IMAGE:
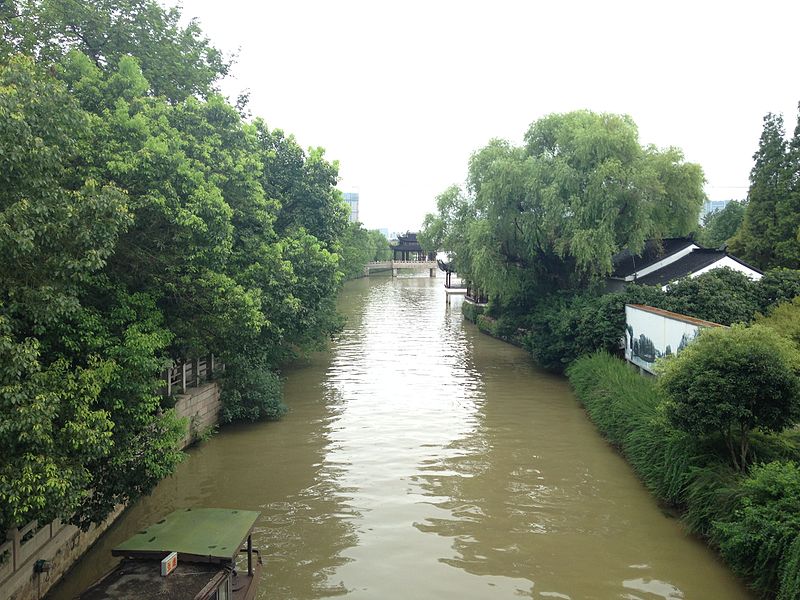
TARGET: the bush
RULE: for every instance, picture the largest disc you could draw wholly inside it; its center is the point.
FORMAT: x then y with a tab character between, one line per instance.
251	392
760	540
777	285
627	409
723	296
731	381
565	327
790	577
471	311
784	319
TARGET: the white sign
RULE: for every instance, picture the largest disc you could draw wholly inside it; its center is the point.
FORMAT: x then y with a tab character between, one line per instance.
169	563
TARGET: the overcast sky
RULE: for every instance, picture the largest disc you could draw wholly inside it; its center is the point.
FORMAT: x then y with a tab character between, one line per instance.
401	93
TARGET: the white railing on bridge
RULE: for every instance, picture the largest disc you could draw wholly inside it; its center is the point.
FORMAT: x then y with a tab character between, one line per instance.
428	264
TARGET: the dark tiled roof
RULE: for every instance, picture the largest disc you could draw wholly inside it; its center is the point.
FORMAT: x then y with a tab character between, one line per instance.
691	263
626	264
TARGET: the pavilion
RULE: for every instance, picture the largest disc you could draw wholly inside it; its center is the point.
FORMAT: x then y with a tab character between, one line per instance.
409	250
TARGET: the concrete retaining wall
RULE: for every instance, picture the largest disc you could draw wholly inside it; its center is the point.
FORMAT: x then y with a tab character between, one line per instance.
201	408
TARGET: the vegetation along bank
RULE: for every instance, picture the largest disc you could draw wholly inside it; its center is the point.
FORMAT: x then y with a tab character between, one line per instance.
539	231
144	219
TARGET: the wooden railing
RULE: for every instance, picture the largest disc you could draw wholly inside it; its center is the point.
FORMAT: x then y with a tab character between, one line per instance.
190	373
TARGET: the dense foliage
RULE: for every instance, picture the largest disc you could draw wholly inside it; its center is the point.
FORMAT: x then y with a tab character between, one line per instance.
564	326
770	233
784	319
731	381
720	226
752	518
549	215
361	246
143	220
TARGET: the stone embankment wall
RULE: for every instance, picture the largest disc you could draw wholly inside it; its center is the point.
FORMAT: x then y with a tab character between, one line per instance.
57	546
200	407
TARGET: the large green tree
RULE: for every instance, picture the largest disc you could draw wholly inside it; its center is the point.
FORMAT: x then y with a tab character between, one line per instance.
731	381
770	233
550	215
177	61
144	221
82	426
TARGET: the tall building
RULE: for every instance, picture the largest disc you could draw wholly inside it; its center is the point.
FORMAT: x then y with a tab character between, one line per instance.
352	200
710	206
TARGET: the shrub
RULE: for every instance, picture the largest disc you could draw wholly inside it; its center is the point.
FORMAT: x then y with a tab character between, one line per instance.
627	409
755	521
723	296
251	392
777	285
784	319
790	577
760	539
471	311
731	381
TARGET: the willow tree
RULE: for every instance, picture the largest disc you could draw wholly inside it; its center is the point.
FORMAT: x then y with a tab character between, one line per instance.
551	214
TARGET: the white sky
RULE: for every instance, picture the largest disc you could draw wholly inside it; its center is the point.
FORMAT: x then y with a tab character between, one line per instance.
402	93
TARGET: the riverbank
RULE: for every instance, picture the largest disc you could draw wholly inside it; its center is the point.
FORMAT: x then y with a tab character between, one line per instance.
419	454
751	521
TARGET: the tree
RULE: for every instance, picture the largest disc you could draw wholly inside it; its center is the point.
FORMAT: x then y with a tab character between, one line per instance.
721	225
360	246
177	62
769	233
784	319
723	296
551	214
729	382
83	429
142	221
778	285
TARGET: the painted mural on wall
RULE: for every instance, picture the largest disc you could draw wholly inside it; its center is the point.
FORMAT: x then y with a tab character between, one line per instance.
652	333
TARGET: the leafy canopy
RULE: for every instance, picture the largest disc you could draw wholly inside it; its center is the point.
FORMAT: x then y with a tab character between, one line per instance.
550	215
731	381
770	233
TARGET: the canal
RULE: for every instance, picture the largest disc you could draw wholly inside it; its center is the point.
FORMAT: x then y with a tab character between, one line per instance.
422	459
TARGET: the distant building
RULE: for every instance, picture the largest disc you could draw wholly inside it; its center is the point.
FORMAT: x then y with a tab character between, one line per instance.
385	232
408	249
710	206
352	200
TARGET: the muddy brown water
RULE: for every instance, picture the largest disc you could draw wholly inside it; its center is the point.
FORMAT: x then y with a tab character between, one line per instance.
422	459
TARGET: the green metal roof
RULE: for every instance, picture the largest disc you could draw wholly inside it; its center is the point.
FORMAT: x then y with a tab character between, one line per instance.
202	532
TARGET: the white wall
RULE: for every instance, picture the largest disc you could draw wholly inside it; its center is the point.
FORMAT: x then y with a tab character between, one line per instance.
727	261
652	334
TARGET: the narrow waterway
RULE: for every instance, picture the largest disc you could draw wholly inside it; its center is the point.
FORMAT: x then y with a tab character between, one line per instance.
422	459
